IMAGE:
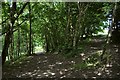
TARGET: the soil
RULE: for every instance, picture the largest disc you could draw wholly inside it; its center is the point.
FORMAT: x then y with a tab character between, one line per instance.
54	65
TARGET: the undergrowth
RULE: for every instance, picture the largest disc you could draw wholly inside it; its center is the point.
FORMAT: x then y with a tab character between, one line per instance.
94	61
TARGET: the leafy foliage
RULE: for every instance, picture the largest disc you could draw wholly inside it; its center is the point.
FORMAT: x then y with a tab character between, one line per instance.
55	26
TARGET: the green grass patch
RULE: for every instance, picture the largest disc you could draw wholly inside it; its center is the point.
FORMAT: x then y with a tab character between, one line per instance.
16	61
92	62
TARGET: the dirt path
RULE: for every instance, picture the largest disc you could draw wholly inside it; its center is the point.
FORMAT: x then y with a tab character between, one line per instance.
56	66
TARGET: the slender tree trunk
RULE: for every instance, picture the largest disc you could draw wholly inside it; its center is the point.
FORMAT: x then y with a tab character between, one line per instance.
79	25
9	35
30	38
67	29
5	47
27	37
18	53
11	47
32	46
10	30
109	32
47	43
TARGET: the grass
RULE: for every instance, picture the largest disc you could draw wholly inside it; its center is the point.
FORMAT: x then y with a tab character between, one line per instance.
17	60
93	61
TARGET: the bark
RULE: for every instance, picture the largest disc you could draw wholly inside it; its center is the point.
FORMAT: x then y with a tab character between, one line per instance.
6	46
32	47
8	35
18	42
79	25
47	43
67	29
30	37
12	47
107	41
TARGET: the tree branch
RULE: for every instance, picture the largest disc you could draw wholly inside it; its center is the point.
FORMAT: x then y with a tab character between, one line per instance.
14	30
21	11
4	21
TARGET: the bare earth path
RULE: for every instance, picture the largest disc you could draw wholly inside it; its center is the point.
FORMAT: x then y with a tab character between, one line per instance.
56	66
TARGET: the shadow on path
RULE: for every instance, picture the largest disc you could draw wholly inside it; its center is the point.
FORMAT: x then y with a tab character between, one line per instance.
56	66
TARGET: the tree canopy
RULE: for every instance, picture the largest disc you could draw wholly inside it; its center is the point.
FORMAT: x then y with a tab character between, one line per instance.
62	27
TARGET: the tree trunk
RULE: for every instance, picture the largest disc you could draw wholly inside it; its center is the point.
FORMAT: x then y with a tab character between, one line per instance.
30	38
8	37
10	30
5	47
109	32
18	42
67	29
47	43
12	48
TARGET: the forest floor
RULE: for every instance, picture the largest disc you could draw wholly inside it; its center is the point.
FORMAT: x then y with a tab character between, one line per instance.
57	66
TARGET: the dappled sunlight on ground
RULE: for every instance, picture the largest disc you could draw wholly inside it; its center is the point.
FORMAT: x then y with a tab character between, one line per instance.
56	66
52	68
